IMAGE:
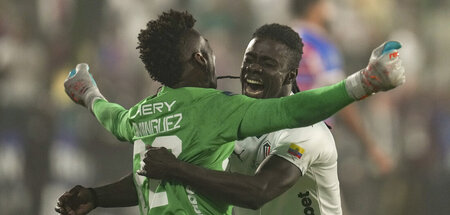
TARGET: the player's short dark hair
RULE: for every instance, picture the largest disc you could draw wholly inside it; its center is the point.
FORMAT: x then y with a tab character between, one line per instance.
285	35
299	8
159	45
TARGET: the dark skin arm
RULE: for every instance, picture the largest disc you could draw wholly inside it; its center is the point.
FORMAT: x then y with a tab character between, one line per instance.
80	200
275	176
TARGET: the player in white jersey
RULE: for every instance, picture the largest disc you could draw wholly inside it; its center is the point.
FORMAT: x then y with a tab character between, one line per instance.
308	154
312	150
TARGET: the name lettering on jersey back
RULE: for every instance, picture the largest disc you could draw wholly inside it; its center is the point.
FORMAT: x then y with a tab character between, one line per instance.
306	202
156	125
152	108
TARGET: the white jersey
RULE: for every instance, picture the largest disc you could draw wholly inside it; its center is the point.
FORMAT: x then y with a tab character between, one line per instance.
313	151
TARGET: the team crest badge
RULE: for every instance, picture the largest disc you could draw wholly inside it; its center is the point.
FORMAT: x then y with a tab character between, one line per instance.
266	149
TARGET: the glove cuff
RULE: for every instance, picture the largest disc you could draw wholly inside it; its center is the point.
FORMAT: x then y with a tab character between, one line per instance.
355	86
92	95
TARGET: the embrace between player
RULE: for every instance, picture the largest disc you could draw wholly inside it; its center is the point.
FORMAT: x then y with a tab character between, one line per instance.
186	68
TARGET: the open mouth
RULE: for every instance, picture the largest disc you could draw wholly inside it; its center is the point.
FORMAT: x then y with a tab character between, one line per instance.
253	87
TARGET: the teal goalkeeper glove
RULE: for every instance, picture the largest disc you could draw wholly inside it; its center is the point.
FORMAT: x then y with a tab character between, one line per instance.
80	86
384	72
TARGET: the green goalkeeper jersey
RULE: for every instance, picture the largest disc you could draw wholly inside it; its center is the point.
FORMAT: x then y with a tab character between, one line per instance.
198	125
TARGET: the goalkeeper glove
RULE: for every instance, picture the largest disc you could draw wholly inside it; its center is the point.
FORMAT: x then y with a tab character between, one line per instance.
80	86
384	72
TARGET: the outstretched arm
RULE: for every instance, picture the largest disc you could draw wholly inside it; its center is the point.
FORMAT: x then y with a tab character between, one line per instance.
299	110
81	87
114	118
80	200
275	176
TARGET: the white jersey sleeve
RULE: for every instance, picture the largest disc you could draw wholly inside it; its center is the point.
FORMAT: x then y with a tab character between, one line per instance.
305	146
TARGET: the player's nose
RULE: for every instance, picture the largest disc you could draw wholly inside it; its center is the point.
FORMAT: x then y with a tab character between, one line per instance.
255	68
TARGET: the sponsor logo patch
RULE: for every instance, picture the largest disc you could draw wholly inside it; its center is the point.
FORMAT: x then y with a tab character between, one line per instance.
306	202
295	150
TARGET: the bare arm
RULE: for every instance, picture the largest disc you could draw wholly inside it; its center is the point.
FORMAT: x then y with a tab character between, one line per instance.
275	176
119	194
80	200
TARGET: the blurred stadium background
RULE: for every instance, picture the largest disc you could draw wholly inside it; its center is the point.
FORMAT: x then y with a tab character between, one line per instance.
48	144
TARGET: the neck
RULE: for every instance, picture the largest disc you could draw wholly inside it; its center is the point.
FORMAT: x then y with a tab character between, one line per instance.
193	79
190	77
286	91
190	84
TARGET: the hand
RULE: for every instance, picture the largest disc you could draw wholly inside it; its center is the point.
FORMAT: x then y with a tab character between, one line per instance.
80	86
158	163
384	72
78	201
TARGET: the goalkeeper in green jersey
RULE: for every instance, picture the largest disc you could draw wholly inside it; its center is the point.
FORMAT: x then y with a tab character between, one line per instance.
196	123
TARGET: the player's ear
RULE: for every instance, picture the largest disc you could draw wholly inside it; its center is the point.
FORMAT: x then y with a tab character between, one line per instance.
290	77
198	56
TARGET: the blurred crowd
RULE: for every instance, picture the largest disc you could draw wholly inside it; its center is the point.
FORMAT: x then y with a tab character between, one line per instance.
48	144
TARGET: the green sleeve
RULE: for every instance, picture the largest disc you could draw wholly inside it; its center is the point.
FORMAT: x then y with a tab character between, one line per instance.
299	110
114	118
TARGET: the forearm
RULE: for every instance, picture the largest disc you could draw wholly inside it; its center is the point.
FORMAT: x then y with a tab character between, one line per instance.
120	194
299	110
236	189
114	118
315	105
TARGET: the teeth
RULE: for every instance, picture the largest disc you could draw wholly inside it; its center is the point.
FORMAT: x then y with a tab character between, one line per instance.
254	82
